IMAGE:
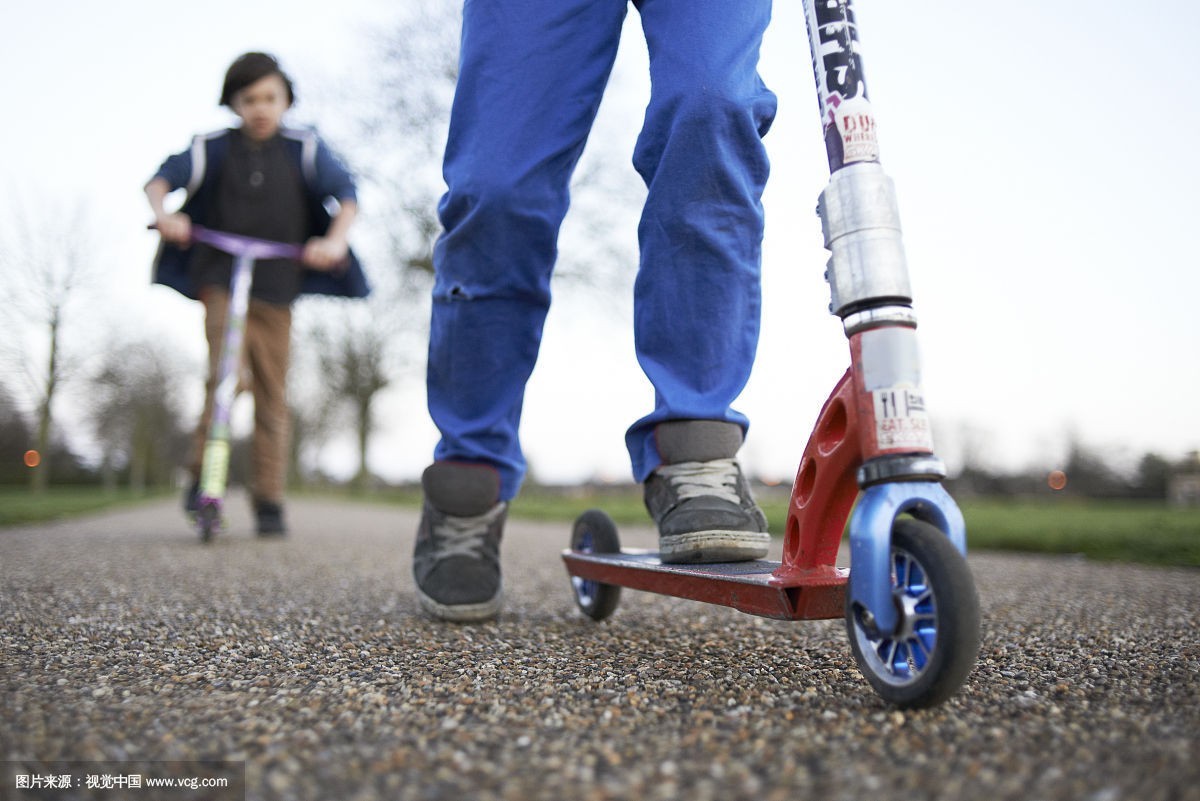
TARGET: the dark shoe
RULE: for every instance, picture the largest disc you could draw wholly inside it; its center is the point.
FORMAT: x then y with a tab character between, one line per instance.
191	498
456	560
699	498
270	519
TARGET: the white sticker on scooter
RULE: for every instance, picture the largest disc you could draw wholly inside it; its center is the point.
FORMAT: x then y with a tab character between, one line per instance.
892	374
900	419
890	359
856	126
215	470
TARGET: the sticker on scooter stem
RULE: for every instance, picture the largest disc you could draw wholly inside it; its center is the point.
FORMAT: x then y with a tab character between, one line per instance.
215	470
841	87
856	127
900	419
891	369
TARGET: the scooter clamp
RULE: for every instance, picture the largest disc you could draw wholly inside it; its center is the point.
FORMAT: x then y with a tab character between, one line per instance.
913	467
878	317
861	225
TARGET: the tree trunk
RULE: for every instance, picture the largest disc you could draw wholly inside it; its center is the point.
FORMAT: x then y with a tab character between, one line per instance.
40	478
364	432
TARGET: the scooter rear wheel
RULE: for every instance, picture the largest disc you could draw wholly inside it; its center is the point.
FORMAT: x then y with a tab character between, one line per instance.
595	532
936	640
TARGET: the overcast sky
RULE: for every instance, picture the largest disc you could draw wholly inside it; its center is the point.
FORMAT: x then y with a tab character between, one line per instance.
1045	162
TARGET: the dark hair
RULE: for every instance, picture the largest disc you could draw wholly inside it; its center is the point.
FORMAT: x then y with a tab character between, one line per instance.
250	68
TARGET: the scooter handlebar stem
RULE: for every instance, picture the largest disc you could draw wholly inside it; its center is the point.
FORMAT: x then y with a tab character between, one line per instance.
846	113
859	214
874	434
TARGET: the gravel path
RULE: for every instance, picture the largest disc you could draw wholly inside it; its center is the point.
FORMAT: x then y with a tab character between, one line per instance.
122	638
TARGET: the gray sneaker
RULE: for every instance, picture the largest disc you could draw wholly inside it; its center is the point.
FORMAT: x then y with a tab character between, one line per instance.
456	560
699	497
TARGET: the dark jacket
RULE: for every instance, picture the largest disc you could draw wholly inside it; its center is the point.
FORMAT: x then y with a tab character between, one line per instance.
325	179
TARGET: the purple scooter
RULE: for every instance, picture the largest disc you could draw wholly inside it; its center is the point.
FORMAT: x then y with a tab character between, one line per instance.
214	465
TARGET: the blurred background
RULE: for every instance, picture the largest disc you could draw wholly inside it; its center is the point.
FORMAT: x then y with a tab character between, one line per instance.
1045	167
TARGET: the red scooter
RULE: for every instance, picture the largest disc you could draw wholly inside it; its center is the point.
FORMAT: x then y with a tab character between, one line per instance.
909	601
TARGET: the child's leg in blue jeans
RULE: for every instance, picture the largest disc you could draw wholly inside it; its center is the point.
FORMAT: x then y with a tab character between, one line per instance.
532	76
697	297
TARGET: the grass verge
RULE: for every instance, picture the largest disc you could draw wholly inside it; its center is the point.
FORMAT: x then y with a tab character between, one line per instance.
18	505
1146	532
1134	531
1128	531
1125	531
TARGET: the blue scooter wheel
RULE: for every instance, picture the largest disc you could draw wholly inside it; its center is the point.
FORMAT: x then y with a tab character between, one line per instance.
595	532
936	641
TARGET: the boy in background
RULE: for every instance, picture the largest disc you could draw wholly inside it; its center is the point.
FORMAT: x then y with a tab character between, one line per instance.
267	181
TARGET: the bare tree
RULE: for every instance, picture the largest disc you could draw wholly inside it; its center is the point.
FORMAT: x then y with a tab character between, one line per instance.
350	353
1153	477
1089	473
352	365
49	255
312	423
136	412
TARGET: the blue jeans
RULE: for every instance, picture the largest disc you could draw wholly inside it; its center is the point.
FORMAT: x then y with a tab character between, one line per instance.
532	73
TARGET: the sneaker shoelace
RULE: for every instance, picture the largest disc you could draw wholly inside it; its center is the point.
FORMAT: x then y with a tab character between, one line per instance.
465	536
716	478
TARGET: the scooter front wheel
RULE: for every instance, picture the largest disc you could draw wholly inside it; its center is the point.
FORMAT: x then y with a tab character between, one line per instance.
595	532
936	640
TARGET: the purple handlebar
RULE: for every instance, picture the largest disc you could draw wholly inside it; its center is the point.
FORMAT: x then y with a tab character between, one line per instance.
238	245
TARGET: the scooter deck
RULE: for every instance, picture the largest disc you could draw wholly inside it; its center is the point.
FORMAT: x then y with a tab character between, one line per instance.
757	588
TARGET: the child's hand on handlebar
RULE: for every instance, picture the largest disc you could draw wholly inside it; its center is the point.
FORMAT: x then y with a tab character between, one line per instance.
175	228
325	253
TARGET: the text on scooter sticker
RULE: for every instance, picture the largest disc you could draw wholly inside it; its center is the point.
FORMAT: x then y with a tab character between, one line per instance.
900	419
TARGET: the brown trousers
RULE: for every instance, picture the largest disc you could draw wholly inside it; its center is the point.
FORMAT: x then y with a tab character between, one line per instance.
266	351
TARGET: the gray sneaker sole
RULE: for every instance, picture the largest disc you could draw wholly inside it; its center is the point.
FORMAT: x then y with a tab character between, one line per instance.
462	613
703	547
